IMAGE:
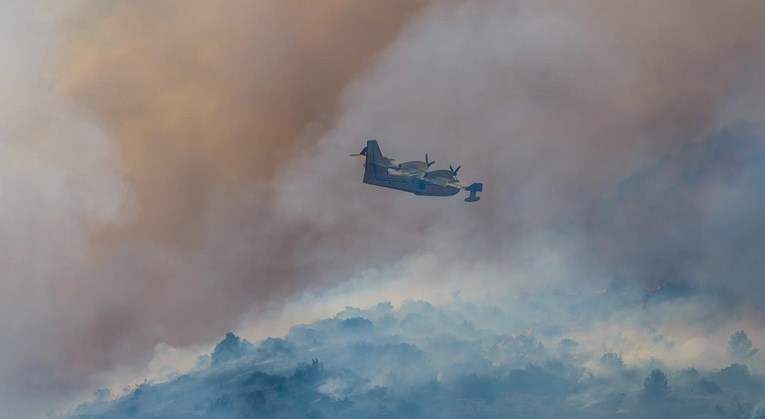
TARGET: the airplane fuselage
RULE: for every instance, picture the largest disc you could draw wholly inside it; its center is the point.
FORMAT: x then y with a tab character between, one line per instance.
411	176
410	184
381	176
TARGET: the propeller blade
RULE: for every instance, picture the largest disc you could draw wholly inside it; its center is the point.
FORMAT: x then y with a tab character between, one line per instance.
428	162
454	171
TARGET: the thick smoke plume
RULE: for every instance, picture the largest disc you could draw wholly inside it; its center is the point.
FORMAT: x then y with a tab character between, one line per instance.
171	166
140	141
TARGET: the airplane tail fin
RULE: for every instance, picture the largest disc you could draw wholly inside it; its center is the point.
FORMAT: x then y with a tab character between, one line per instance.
373	152
374	155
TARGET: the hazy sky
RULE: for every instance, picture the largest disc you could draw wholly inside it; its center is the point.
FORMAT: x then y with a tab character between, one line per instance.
167	168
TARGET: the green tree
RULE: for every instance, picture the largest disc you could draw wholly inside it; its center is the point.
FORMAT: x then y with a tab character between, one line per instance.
655	386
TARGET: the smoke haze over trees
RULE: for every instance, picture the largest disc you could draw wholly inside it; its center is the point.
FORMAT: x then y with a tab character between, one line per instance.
459	360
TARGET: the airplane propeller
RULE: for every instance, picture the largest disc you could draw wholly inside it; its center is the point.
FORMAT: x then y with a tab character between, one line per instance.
454	171
427	162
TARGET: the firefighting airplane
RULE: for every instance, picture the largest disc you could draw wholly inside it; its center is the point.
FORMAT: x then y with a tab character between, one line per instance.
412	176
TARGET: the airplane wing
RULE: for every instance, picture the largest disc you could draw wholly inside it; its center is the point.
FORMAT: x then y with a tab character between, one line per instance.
382	161
408	171
379	160
386	163
444	182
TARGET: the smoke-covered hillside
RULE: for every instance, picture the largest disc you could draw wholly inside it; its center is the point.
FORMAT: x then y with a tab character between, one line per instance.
456	361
